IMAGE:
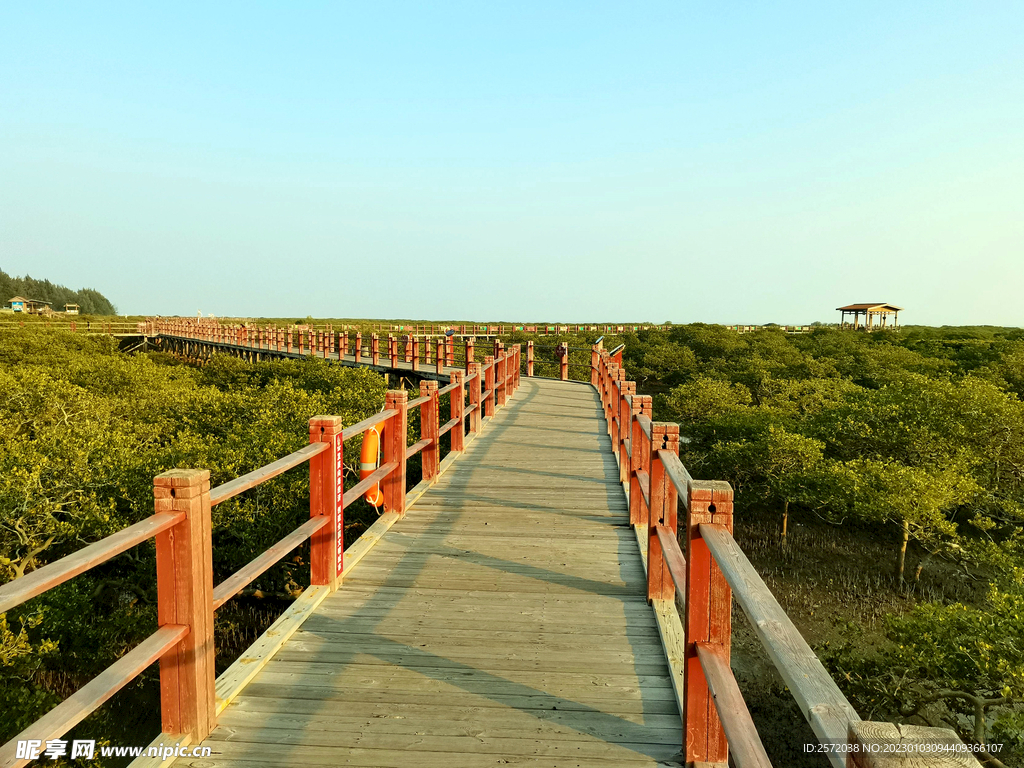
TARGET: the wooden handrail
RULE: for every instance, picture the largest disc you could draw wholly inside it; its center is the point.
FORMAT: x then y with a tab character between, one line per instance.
416	447
745	745
42	579
644	480
449	388
673	555
244	576
822	703
645	425
261	475
90	696
448	425
419	401
361	426
678	475
357	490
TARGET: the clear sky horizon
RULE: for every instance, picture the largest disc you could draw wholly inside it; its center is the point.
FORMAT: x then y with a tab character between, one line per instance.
717	162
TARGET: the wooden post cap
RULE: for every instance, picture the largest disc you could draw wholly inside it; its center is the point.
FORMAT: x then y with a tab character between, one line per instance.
888	745
182	478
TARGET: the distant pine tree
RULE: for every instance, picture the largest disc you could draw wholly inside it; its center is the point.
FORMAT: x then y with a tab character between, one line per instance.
90	302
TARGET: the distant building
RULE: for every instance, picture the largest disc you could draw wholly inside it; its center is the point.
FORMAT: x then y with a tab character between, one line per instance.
71	309
29	306
876	316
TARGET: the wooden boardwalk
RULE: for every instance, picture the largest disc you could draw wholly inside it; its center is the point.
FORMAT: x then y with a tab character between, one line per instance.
503	621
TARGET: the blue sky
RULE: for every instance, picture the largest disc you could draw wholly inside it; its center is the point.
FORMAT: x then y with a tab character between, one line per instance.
717	162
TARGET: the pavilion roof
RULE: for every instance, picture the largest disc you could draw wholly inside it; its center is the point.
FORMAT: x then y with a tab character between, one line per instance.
870	305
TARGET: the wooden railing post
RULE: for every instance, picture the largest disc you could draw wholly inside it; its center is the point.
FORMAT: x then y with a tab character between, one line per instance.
428	428
359	346
326	487
450	344
489	385
291	340
408	348
708	620
457	397
640	460
611	391
184	576
475	388
415	353
529	358
499	374
470	352
626	428
664	437
393	486
393	350
564	361
439	362
344	345
595	358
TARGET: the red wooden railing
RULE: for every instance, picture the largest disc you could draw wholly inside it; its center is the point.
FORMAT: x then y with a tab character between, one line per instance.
186	595
699	558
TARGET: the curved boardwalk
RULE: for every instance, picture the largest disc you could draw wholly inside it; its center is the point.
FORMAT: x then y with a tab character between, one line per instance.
502	622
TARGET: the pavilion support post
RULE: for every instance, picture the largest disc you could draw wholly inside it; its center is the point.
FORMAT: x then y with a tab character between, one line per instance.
184	575
708	620
393	486
429	428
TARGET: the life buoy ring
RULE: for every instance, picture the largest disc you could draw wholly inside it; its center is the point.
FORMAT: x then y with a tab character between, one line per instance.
369	461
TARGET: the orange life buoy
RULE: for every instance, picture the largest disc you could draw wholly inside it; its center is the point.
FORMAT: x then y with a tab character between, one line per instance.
369	461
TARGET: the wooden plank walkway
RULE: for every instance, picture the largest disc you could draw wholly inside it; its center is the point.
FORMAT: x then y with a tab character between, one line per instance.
502	622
